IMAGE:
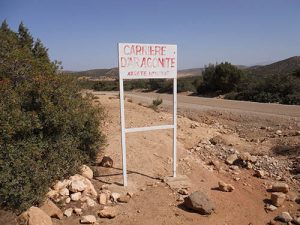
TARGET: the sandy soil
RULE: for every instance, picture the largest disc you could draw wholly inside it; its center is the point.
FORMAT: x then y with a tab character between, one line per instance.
149	160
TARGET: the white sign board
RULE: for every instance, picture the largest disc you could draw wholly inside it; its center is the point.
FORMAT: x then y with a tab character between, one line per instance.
145	61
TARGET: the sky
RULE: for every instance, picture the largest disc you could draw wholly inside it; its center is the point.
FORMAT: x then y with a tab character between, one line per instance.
83	34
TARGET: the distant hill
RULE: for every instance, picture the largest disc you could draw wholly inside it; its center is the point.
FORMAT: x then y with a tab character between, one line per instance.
283	67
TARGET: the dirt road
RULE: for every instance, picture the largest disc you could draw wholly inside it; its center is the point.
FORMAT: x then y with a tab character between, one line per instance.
201	104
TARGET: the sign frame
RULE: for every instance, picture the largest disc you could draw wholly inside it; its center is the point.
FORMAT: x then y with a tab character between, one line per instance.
125	130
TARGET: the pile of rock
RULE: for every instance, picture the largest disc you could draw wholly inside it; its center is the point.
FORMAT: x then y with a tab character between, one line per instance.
263	166
77	188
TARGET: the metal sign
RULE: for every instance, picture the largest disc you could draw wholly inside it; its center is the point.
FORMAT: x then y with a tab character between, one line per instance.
147	61
144	61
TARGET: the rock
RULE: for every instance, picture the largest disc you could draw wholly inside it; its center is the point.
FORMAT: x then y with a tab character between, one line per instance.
199	202
124	199
183	192
271	208
51	209
296	220
225	187
231	159
259	174
52	194
178	182
89	219
68	200
280	187
90	202
34	216
217	140
77	186
284	217
61	184
108	212
114	196
75	196
107	162
278	132
82	184
68	212
64	192
278	198
86	172
78	211
245	156
216	164
102	199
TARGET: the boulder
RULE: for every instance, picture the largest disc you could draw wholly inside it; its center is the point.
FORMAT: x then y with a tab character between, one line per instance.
284	217
89	219
51	209
280	187
231	159
86	171
34	216
108	212
225	187
278	198
81	183
107	162
199	202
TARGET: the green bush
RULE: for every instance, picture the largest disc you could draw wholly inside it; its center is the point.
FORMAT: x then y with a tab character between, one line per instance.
47	128
221	78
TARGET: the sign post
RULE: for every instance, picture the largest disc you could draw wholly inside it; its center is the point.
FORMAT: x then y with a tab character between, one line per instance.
147	61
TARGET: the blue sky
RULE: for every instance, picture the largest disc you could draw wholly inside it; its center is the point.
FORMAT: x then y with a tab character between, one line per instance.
83	34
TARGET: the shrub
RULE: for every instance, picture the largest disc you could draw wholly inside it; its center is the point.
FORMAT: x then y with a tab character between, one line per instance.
155	103
47	129
221	78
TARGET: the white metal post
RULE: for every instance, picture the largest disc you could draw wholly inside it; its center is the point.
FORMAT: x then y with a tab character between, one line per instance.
123	137
175	125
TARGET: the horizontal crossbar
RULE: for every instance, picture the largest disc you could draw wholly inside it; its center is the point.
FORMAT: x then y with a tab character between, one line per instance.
138	129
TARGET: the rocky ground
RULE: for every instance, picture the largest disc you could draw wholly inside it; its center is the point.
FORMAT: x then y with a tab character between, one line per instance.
233	168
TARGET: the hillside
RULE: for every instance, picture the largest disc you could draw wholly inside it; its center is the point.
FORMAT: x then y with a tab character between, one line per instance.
283	67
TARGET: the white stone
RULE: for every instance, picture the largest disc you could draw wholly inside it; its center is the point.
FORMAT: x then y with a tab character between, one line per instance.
68	212
86	171
114	196
75	196
64	192
89	219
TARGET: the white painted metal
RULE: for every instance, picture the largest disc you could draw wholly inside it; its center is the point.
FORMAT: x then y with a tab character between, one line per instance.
123	137
169	71
138	129
174	125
